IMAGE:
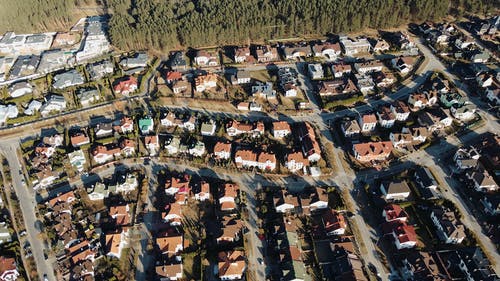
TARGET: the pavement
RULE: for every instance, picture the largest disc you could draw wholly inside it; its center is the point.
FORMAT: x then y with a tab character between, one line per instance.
27	204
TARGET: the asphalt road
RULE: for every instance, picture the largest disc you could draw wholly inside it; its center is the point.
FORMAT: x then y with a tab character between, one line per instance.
27	204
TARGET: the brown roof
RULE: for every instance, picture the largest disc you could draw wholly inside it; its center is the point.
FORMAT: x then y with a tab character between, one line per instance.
64	197
342	67
400	106
373	148
385	113
295	253
222	146
202	79
230	190
231	263
397	186
333	220
240	126
245	154
170	270
78	139
7	264
230	227
151	140
121	213
264	157
393	211
169	243
281	126
298	157
113	242
369	118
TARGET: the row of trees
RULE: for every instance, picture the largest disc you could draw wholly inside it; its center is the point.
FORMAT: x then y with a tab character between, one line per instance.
171	24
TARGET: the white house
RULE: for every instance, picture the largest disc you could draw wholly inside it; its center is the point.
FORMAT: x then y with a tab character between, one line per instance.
281	129
315	71
464	113
52	104
20	89
77	159
129	184
395	190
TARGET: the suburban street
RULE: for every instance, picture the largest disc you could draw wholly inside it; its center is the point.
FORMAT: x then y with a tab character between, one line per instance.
27	204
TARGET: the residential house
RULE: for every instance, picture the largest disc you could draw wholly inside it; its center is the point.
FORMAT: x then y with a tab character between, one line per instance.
33	107
208	128
465	264
369	66
152	144
8	269
285	202
206	58
266	54
295	161
227	199
88	97
172	145
77	159
309	143
483	181
416	265
232	265
386	117
263	90
403	234
177	60
115	243
146	125
173	214
79	138
235	128
466	158
450	99
222	150
395	190
266	161
381	45
67	79
493	95
54	103
124	125
203	192
181	87
315	200
491	204
5	236
365	83
315	71
244	158
372	151
337	87
400	140
290	90
383	79
103	154
231	230
138	60
449	229
178	185
367	122
425	179
170	245
169	272
401	110
103	130
435	119
281	129
418	134
484	80
205	82
393	212
126	86
327	50
95	41
463	113
8	111
419	100
120	214
196	148
403	64
350	128
341	69
241	77
296	52
478	56
173	76
99	70
127	147
20	89
333	222
15	44
351	47
242	54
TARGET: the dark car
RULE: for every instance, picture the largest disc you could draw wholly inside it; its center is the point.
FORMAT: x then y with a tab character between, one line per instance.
372	268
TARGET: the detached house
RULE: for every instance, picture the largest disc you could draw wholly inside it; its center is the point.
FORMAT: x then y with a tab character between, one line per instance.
327	50
68	79
242	54
206	58
463	113
395	190
103	154
115	243
466	158
315	71
232	265
449	229
169	272
281	129
418	134
126	86
367	122
79	138
361	45
435	119
310	145
266	54
235	128
386	116
419	100
372	151
381	45
231	230
222	150
8	269
146	125
483	181
341	69
205	82
296	161
227	199
400	110
369	66
208	128
404	235
297	52
393	212
152	144
403	64
124	125
171	245
491	204
333	222
400	140
285	202
350	128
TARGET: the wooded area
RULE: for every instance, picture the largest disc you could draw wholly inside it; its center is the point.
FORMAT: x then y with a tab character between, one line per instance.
170	24
139	24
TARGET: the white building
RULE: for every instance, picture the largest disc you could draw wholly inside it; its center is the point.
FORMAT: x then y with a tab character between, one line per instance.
77	159
95	41
315	71
8	112
129	184
54	103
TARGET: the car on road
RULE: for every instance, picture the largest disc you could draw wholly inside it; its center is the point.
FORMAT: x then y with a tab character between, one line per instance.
45	278
372	268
